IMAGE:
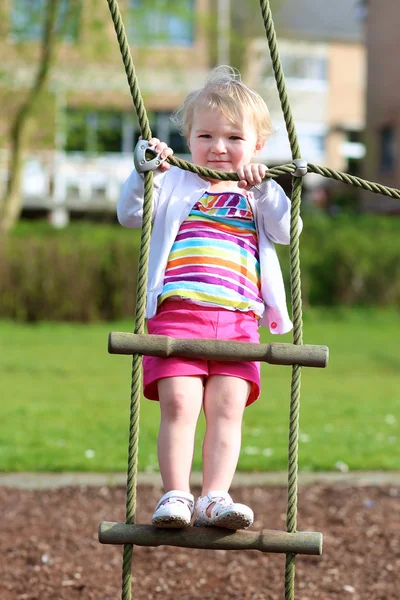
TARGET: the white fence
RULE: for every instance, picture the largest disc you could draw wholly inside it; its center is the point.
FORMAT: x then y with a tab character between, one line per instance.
64	183
73	182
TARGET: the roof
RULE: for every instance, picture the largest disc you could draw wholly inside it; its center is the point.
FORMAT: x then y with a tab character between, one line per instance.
323	20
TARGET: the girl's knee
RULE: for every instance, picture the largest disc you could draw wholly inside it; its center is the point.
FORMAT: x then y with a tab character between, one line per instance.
226	398
226	409
178	404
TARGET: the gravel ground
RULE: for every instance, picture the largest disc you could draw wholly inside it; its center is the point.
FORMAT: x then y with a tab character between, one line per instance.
50	551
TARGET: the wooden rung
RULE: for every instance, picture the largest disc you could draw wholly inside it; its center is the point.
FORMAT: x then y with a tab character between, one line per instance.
212	538
164	347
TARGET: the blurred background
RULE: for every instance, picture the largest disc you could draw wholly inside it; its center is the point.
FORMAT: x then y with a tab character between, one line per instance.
68	129
67	109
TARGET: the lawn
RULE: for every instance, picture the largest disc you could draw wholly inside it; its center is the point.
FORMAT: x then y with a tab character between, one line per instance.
65	400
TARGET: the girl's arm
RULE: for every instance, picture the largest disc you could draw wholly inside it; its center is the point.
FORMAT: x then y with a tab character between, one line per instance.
130	204
273	207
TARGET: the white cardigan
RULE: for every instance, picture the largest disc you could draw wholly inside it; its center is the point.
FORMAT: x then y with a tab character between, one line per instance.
175	193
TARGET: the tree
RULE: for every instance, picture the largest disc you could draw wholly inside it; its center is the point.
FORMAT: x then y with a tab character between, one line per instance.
246	24
53	22
10	207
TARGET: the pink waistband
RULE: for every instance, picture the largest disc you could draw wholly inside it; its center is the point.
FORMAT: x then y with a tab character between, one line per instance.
172	304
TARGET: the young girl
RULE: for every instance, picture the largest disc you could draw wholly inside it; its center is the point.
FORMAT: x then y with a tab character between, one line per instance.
213	273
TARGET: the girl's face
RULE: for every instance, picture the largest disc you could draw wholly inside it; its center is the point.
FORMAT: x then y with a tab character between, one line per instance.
217	143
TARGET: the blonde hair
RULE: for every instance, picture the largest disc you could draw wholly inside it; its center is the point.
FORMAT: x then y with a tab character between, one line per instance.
224	91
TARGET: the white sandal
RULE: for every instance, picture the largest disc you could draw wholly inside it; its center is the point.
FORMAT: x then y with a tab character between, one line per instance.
224	513
174	509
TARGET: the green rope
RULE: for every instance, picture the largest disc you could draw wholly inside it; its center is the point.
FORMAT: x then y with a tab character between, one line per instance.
136	384
371	186
289	169
129	69
295	286
295	278
140	312
279	78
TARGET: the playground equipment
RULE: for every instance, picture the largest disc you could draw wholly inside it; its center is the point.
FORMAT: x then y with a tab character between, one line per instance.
290	542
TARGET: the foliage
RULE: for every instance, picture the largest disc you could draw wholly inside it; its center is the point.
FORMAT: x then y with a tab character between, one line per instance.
351	260
82	274
10	207
87	272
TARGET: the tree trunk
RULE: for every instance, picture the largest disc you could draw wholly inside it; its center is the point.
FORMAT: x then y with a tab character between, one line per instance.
11	205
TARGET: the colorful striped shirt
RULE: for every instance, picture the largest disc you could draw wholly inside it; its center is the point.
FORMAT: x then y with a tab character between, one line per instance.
214	259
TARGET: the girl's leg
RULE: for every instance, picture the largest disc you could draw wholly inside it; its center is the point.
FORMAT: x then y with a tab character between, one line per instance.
224	403
180	404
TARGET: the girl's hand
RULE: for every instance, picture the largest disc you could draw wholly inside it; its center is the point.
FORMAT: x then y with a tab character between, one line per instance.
161	147
251	174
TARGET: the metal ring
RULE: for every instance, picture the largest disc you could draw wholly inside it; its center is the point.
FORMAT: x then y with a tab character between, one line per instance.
301	167
142	163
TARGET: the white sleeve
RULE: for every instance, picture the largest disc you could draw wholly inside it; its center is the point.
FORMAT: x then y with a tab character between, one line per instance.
130	204
273	207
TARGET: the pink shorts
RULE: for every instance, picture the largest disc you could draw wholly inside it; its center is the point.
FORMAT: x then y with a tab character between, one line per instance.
183	319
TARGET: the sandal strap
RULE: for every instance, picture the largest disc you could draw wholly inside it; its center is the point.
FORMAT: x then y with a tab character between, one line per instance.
217	496
214	497
172	495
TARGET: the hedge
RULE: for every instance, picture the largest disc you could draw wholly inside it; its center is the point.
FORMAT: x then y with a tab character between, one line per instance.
87	272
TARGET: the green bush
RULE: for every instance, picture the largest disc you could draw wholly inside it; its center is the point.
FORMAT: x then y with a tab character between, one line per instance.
352	260
84	273
87	272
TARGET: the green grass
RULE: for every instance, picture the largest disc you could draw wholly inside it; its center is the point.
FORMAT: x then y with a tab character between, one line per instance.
65	401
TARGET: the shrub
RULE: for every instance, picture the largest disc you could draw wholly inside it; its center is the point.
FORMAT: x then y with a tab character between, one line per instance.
88	272
81	274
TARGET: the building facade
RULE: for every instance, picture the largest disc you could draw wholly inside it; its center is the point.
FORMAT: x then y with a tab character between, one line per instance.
382	162
85	130
323	58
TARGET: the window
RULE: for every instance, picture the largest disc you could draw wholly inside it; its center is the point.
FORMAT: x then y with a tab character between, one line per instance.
178	142
361	9
161	22
163	128
28	16
104	131
304	67
387	148
94	132
312	140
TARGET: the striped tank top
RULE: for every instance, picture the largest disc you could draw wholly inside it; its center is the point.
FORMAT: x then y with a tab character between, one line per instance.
214	259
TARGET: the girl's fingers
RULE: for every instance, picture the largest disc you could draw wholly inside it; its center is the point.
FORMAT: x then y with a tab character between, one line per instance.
258	173
157	146
166	152
164	155
250	175
163	150
154	142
